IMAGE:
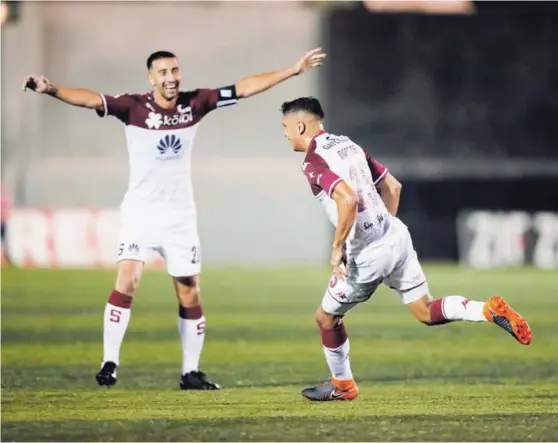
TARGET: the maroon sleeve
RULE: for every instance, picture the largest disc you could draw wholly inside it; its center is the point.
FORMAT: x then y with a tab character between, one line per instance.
206	100
318	174
118	106
378	170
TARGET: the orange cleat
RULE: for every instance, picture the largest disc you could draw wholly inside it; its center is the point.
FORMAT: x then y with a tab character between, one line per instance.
331	390
497	311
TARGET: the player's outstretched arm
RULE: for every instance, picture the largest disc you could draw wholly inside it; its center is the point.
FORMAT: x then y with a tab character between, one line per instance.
77	97
390	191
347	202
255	84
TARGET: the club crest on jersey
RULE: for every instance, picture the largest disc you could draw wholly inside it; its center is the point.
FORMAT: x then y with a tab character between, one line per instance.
169	144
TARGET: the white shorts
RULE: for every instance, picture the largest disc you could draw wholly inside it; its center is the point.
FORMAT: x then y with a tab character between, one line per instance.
392	261
174	237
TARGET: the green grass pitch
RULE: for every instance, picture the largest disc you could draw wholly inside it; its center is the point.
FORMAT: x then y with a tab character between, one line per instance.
458	382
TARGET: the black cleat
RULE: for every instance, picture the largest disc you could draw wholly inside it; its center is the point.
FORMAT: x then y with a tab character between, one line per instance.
197	380
107	375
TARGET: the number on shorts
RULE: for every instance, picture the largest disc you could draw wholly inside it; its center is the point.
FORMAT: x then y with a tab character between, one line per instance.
120	249
195	257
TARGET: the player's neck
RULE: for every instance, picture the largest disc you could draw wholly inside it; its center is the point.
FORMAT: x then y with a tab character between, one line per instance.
312	134
162	102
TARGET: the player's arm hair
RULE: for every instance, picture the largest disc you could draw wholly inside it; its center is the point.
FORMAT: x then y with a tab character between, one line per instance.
249	86
83	98
390	191
347	202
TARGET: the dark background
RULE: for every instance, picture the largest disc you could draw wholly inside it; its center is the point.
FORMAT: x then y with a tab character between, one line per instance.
457	91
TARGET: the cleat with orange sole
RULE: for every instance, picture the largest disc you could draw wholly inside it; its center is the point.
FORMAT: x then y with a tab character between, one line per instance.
331	390
497	311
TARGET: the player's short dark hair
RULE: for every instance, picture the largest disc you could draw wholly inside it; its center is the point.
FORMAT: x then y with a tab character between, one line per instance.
158	55
307	104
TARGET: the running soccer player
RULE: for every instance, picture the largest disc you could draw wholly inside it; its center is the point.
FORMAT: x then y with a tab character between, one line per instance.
371	246
158	212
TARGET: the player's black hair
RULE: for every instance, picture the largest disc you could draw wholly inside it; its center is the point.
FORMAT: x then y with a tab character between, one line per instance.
157	55
306	104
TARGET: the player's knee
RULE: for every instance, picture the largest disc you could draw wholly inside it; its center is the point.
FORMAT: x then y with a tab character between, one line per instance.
128	277
421	309
188	291
326	320
127	285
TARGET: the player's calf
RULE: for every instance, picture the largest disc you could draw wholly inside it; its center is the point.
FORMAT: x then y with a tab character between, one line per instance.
117	317
433	312
191	326
335	342
457	308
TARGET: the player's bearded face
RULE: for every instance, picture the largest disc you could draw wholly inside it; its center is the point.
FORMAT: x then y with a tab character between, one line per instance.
165	77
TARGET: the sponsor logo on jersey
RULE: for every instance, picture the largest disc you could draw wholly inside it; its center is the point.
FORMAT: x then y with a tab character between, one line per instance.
156	120
169	144
334	142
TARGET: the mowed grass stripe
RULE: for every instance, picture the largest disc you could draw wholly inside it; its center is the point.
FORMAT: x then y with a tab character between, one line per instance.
462	382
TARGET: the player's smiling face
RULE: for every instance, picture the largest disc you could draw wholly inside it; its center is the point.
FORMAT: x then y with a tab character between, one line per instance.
165	77
293	129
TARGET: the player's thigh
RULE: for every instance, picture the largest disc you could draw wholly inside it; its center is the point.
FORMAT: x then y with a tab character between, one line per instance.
182	255
134	247
407	278
343	294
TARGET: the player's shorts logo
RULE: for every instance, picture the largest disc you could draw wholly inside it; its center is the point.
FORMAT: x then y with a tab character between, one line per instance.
169	143
333	281
133	248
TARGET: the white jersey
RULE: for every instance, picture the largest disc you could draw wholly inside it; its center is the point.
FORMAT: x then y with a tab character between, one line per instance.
160	143
332	158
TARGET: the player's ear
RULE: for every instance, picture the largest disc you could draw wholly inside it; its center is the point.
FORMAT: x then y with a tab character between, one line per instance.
301	127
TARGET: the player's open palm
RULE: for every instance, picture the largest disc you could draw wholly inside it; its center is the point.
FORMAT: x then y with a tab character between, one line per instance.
37	83
312	59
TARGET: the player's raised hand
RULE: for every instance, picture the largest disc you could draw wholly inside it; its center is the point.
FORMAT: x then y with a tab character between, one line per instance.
37	83
338	259
312	59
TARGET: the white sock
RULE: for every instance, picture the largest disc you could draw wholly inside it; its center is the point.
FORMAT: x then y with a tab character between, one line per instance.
339	362
116	320
192	334
456	307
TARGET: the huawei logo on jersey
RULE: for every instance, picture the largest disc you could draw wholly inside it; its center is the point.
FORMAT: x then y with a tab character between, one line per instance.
169	143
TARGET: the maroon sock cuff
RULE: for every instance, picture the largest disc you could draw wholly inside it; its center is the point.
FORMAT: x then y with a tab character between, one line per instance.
121	300
437	313
191	313
334	338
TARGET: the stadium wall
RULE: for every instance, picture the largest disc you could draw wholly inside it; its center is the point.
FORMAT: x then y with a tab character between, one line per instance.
254	204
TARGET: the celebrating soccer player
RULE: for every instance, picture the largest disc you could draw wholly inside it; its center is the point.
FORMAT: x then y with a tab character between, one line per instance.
158	212
371	246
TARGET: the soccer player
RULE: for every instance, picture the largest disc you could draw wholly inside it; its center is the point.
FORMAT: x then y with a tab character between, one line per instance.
371	246
158	212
